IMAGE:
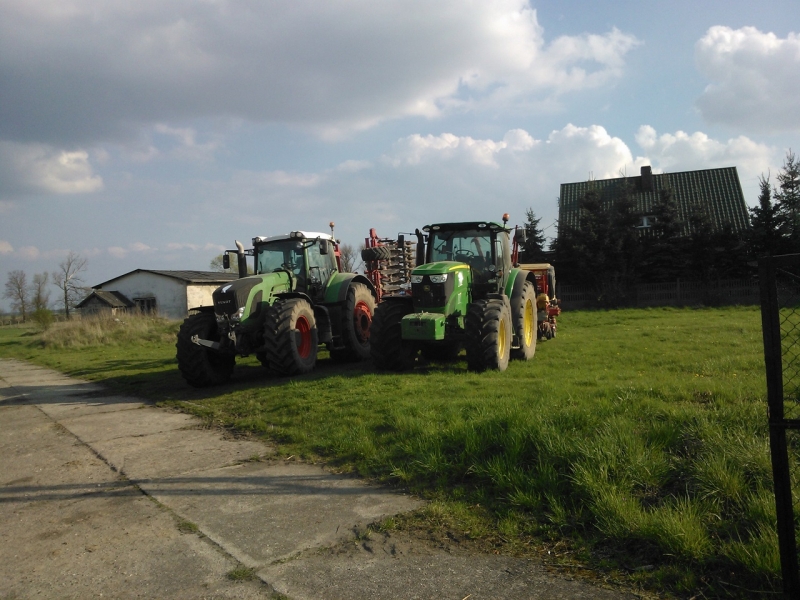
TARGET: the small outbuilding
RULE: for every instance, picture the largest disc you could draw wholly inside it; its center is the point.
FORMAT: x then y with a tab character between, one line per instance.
170	294
104	303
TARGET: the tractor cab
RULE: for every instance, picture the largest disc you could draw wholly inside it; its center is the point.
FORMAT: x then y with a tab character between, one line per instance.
484	246
308	257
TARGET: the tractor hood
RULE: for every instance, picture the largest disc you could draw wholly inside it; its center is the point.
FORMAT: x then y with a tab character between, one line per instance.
439	268
245	298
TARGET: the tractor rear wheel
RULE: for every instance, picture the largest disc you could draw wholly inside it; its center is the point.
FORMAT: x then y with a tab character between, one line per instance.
356	324
488	332
201	366
523	315
290	337
388	349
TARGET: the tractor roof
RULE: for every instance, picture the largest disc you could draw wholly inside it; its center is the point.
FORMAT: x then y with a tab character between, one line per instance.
295	235
491	225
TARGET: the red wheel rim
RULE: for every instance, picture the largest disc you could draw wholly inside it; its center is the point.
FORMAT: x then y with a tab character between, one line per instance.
302	326
362	319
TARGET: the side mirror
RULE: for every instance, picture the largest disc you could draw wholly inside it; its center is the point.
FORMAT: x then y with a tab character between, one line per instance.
520	236
323	247
226	261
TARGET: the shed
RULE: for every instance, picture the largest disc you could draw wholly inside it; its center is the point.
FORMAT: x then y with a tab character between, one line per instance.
100	302
171	294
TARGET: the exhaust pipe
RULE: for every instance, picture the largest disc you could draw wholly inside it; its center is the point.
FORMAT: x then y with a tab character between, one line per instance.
241	259
420	247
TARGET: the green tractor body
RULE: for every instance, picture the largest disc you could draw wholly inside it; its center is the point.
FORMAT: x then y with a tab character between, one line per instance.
296	300
465	294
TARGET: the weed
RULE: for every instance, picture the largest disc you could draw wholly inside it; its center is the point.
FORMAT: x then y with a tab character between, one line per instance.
187	527
242	573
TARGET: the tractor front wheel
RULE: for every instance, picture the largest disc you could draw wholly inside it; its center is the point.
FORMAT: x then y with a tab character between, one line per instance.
290	337
523	314
488	332
388	349
201	366
356	324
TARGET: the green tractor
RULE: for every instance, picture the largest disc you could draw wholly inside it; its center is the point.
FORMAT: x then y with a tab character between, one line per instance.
296	300
465	292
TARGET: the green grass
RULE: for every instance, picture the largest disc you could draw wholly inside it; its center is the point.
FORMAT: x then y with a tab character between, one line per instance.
637	439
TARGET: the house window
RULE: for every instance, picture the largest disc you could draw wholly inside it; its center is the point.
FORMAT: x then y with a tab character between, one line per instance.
646	222
145	305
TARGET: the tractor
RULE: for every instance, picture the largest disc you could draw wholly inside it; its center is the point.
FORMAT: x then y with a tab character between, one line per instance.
465	292
296	300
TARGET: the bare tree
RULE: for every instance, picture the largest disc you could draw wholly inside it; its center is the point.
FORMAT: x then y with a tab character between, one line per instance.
68	279
40	295
18	292
347	254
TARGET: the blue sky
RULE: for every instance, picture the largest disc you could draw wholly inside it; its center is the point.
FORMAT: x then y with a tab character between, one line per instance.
152	135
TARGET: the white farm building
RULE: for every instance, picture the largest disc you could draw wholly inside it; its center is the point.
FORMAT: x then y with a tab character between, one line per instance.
170	294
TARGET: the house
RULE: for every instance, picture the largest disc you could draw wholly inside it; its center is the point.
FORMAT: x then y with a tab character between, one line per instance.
717	191
171	294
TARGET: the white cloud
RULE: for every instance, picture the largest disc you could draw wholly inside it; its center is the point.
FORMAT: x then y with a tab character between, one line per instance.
133	247
754	82
28	252
681	151
5	247
43	168
333	67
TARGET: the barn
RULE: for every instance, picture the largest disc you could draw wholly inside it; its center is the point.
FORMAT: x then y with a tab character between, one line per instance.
170	294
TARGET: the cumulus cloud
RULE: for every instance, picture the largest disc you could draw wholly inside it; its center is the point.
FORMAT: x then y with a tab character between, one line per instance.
681	151
87	70
43	168
5	247
133	247
754	82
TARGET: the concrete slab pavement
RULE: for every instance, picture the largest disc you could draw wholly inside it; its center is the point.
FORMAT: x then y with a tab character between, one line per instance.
93	487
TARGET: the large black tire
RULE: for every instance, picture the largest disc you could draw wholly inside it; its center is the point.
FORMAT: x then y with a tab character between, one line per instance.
290	337
376	253
523	316
488	331
201	366
387	348
356	324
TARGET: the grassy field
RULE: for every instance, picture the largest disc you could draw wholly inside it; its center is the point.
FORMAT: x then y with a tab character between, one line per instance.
634	443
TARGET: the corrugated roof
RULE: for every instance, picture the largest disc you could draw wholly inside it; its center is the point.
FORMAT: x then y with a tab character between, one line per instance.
718	191
187	276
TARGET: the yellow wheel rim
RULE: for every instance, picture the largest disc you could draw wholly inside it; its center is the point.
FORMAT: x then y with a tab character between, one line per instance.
501	338
528	323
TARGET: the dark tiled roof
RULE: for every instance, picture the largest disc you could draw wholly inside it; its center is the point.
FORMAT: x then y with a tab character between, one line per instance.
187	276
718	191
112	299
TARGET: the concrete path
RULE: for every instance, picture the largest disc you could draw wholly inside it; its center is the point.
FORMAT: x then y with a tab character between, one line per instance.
108	496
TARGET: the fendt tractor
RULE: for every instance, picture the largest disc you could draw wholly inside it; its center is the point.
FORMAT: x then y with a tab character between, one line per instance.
465	291
296	300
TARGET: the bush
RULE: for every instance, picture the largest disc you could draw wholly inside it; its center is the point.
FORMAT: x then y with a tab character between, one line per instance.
43	318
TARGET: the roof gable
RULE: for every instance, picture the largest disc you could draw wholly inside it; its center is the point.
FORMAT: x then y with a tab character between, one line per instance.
110	299
213	277
717	191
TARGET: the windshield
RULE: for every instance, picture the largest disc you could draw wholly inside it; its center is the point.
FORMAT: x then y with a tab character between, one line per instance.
470	246
282	254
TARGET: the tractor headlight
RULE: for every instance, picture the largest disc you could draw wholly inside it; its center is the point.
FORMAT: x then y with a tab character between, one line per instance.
438	278
416	279
237	316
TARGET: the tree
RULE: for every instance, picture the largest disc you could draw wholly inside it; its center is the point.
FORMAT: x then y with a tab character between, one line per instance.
217	266
68	279
787	195
18	292
532	251
769	223
40	295
347	254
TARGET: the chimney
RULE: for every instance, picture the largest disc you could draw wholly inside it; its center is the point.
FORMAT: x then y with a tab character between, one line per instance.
647	179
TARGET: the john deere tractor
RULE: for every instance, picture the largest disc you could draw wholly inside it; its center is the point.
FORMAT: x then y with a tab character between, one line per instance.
465	293
296	300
